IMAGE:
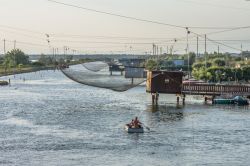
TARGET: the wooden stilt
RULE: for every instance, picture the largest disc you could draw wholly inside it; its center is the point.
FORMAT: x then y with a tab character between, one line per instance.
213	99
183	99
206	99
153	98
156	98
178	99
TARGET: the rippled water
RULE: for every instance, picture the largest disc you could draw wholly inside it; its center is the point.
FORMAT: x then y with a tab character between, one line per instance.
50	120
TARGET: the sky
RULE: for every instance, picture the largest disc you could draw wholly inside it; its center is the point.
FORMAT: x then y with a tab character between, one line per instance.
88	32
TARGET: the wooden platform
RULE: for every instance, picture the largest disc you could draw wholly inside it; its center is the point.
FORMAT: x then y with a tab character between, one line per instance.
215	90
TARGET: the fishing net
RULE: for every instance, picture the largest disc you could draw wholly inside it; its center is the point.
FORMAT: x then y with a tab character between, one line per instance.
95	66
97	74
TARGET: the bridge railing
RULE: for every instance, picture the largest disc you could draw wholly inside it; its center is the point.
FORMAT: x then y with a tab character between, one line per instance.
215	89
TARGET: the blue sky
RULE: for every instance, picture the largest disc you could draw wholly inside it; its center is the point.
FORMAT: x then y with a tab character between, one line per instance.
80	29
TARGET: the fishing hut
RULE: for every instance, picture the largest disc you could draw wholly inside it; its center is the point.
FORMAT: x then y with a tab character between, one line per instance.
135	73
169	82
116	68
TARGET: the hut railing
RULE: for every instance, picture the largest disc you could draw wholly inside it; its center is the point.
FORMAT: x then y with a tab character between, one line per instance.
215	89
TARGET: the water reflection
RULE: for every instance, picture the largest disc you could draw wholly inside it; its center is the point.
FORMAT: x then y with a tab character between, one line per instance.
166	113
233	108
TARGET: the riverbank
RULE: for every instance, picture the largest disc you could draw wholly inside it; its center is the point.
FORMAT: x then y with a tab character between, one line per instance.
33	68
27	69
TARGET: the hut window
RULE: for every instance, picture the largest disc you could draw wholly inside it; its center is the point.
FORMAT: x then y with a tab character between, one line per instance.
167	81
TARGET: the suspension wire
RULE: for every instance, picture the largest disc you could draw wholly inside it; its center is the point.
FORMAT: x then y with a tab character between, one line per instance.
115	37
228	30
21	34
102	42
117	15
28	43
216	41
135	18
21	29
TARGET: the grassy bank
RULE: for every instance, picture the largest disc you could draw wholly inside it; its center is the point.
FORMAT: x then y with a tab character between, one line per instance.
25	69
35	67
31	68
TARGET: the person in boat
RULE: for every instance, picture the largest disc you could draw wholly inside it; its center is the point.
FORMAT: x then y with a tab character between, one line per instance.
137	123
131	124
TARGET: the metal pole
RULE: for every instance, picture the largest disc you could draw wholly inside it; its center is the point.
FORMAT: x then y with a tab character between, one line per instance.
153	49
241	53
4	46
14	44
197	46
206	51
187	52
235	77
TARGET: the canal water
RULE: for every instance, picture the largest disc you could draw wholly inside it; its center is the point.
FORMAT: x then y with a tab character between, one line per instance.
47	119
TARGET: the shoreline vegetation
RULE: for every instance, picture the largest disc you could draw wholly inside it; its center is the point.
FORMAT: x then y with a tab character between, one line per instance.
211	67
27	69
16	62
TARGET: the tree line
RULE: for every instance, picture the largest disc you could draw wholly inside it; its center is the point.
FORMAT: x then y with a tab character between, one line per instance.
213	67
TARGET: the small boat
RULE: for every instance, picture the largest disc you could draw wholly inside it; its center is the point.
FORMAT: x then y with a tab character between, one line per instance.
241	101
4	83
224	101
134	130
236	100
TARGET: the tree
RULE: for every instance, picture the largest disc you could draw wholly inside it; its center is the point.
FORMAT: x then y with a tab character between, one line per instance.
192	57
198	65
201	74
69	58
219	62
246	73
16	57
1	60
46	60
151	65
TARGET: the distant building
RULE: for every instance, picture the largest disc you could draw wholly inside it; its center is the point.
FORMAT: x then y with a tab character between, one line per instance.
132	72
237	65
178	62
233	54
137	62
246	54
